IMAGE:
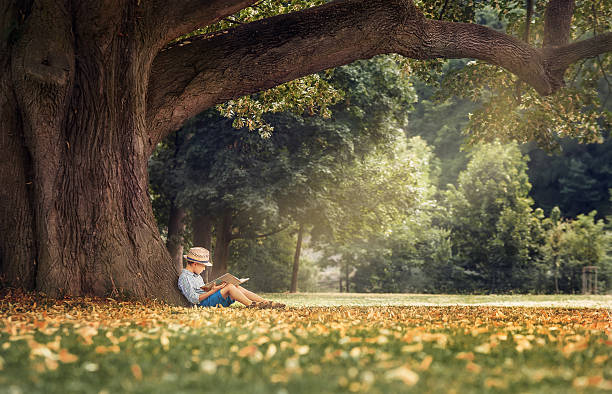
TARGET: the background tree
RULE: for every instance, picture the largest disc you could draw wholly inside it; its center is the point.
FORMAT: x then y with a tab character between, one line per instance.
491	221
372	201
88	91
583	242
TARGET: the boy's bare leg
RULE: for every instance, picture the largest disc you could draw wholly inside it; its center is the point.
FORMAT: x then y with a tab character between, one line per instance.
250	295
236	294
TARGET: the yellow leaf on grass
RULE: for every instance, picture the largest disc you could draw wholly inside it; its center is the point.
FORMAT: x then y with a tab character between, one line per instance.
247	351
465	356
208	366
417	347
479	330
136	371
271	351
301	350
165	342
86	332
51	364
485	348
66	357
592	381
405	374
600	359
472	367
522	344
495	383
279	378
107	349
424	366
574	347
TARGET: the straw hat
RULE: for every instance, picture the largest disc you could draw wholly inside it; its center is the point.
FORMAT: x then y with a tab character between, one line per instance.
198	255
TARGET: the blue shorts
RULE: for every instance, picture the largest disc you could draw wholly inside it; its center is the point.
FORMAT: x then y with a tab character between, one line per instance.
216	299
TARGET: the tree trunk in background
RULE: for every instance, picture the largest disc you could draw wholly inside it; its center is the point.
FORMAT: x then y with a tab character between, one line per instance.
202	231
296	259
224	237
176	228
347	277
202	236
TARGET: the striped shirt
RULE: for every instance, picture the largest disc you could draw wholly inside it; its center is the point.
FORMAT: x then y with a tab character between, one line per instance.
189	283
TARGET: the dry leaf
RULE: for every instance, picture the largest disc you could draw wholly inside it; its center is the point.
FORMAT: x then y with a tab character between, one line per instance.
405	374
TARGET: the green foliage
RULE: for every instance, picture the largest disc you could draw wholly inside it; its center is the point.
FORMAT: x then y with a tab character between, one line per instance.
577	179
383	221
511	111
511	114
379	191
268	262
574	244
493	228
312	94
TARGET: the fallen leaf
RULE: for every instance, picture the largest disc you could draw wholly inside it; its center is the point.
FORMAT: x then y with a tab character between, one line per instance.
136	371
66	357
405	374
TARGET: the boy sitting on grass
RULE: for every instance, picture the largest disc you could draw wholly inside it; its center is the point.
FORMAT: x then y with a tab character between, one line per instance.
191	284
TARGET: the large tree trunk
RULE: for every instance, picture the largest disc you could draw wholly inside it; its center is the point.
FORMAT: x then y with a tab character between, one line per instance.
176	228
202	231
80	87
296	259
17	245
222	246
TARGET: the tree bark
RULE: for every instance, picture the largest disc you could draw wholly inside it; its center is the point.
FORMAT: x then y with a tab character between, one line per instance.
80	88
17	244
296	259
222	246
557	22
202	231
176	228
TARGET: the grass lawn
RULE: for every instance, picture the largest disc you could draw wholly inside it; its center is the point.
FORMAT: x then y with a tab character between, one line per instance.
322	343
370	299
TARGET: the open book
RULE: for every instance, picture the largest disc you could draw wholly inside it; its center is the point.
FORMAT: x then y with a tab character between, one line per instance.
228	278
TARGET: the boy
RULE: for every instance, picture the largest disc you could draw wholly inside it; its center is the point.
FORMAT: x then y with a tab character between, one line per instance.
191	284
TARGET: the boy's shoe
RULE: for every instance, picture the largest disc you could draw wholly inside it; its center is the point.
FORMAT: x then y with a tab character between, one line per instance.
275	305
266	305
258	305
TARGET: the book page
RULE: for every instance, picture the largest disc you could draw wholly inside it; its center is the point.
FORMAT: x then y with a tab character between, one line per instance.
228	278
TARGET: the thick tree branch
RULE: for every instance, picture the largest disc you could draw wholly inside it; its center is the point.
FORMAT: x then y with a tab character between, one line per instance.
170	20
193	76
560	58
557	22
466	40
259	55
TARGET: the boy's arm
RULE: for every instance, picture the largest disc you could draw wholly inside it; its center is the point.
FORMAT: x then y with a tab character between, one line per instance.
212	291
